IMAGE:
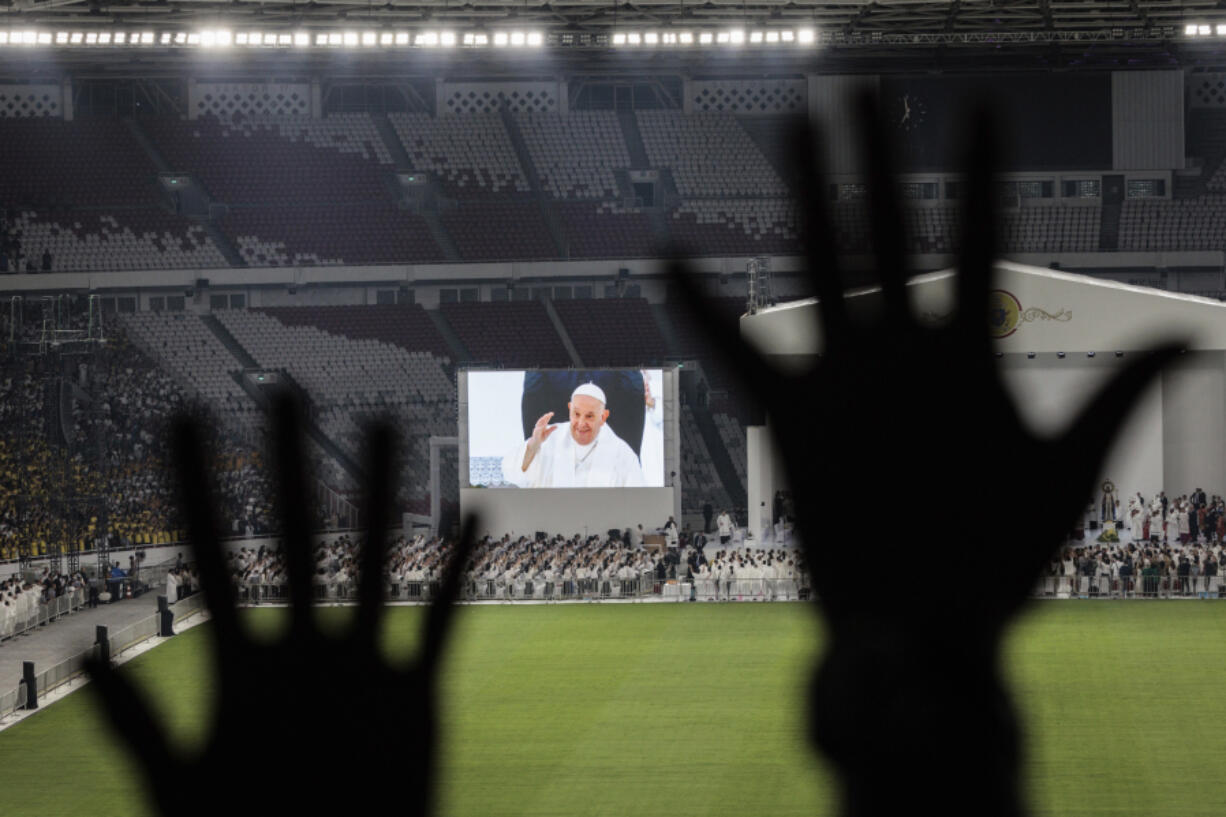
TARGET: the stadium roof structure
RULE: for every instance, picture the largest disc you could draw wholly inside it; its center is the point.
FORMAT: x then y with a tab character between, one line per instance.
1042	311
903	35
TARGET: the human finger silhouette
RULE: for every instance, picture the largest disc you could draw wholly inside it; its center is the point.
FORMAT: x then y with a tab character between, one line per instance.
907	702
313	722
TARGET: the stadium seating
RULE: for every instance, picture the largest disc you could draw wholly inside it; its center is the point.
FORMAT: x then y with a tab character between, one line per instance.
1051	229
736	227
732	432
510	334
499	231
700	482
50	162
404	325
266	159
1178	224
378	233
185	348
575	155
470	155
612	331
128	239
606	230
710	155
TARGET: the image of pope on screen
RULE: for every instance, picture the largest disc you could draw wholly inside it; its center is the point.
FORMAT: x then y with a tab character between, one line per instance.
566	428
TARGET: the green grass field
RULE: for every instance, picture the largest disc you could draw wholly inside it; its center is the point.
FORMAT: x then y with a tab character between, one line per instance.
696	709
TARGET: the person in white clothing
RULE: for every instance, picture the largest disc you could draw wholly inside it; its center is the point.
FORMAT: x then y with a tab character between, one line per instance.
590	456
723	524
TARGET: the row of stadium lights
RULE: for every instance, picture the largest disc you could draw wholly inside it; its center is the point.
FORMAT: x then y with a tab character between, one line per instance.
1203	30
222	38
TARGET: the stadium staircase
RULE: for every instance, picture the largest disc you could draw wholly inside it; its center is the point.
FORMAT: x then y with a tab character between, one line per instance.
634	140
229	341
719	455
439	233
554	318
556	234
387	133
671	347
1109	231
194	202
459	352
769	133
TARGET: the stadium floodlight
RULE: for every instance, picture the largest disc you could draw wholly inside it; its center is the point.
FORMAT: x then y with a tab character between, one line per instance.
322	39
787	36
772	36
387	38
668	38
350	38
447	39
806	36
166	38
401	38
1190	29
500	39
736	36
193	39
428	39
705	38
651	38
535	39
285	39
120	37
723	37
4	38
1203	30
44	38
1221	30
76	38
517	38
633	38
368	38
180	38
302	38
61	37
685	38
241	38
619	39
756	37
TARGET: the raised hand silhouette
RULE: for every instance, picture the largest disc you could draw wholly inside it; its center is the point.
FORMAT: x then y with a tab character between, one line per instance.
907	701
311	723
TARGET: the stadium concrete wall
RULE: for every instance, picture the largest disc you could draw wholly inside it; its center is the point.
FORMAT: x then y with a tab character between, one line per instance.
586	511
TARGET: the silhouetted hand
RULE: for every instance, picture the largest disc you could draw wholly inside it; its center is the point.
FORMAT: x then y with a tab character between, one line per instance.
924	504
312	723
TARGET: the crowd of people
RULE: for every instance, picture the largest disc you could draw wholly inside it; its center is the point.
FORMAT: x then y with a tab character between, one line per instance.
21	598
523	567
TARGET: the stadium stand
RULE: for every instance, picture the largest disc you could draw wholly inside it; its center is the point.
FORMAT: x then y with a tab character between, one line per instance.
117	240
90	214
1049	228
709	154
404	325
1178	224
732	432
267	159
612	331
328	235
732	227
700	482
470	155
575	155
499	231
606	230
510	333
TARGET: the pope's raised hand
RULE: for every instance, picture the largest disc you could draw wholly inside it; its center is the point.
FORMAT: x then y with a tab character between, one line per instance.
540	433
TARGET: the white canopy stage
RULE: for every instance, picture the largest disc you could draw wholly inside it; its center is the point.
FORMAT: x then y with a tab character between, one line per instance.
1060	336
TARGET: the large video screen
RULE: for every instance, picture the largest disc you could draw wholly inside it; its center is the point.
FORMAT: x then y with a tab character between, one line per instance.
566	429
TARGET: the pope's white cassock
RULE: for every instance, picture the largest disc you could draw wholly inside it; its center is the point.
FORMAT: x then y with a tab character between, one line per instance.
606	462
